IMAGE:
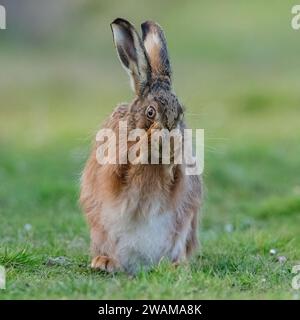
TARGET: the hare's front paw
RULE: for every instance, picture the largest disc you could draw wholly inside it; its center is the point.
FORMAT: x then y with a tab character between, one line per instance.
105	263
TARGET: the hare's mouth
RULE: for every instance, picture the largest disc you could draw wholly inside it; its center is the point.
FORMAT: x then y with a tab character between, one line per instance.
156	125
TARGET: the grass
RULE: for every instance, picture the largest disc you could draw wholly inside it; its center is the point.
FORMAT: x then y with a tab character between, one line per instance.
244	91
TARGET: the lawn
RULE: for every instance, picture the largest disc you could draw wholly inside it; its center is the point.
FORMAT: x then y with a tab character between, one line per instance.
239	80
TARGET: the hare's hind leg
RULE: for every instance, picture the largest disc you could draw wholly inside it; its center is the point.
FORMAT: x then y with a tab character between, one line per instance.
100	247
186	239
192	239
105	263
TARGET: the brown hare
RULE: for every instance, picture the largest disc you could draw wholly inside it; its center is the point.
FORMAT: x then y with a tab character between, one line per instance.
139	214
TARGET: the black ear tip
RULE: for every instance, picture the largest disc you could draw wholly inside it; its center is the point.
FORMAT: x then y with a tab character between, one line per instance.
145	26
151	26
120	21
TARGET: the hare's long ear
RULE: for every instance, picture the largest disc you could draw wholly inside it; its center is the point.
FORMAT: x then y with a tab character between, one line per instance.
132	54
156	47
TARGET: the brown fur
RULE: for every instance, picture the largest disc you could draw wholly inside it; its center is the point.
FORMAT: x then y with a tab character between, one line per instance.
118	199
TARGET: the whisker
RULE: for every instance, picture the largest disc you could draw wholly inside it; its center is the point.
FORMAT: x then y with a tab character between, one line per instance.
213	150
196	114
219	139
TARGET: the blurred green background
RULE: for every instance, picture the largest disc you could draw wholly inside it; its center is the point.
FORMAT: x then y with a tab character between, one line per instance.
236	68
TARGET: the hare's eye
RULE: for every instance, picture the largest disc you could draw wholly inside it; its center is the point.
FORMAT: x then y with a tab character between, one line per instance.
151	112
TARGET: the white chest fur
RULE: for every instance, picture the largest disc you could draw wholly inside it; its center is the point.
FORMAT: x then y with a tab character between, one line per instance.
141	241
146	242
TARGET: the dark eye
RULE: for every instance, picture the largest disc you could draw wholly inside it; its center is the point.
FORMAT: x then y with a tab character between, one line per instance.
151	112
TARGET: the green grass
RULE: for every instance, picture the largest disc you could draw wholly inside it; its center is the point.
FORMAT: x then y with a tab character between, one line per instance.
238	80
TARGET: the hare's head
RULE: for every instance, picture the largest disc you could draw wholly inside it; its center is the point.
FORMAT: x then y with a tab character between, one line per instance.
148	65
